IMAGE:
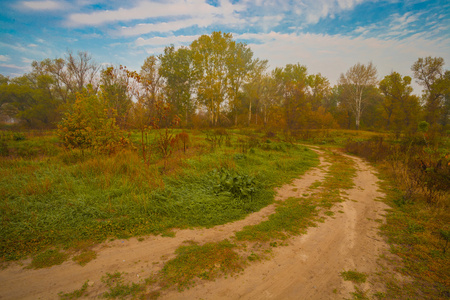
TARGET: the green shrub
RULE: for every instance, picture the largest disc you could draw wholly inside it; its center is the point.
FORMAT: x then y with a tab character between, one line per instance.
230	181
89	124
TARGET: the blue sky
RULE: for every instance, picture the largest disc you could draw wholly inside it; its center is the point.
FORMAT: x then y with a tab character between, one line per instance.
327	36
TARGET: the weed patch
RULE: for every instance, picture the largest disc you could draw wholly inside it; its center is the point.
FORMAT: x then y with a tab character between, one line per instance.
75	294
84	257
47	259
206	262
117	289
354	276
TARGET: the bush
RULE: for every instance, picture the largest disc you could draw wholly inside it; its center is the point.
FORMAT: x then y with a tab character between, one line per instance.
90	125
230	181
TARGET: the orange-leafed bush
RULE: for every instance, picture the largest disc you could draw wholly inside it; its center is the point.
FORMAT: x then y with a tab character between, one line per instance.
90	125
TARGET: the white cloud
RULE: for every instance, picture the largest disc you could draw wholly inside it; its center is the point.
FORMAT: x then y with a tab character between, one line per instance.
163	26
42	5
4	58
165	41
313	10
10	66
27	60
152	9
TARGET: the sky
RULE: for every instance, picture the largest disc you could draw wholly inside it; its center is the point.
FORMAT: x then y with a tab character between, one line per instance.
327	36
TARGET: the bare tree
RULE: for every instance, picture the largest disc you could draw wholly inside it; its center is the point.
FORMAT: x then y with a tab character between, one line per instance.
81	71
355	82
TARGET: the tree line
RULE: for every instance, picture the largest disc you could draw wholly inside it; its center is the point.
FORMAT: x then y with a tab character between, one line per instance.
217	81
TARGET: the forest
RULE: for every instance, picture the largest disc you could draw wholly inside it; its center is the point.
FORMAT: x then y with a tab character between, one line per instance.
203	136
217	82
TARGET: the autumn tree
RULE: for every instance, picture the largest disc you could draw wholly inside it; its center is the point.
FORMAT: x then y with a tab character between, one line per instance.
356	81
254	88
429	72
114	84
318	90
210	56
240	66
291	84
151	82
399	105
89	125
176	70
31	99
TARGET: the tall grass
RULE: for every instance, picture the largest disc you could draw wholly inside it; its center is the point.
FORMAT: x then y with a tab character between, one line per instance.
417	174
60	198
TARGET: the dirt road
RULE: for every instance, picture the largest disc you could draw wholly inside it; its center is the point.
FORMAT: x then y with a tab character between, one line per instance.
308	268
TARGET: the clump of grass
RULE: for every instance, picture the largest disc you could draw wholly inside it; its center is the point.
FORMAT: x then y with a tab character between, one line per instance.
354	276
75	294
47	259
206	262
117	289
84	257
359	294
290	217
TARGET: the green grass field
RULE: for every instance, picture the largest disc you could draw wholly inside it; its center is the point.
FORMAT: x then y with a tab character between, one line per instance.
53	197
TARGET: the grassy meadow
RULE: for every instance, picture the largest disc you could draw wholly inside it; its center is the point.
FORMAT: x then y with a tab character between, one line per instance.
56	200
52	197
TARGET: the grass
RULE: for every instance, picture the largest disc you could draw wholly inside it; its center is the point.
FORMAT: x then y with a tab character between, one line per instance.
415	228
412	230
117	289
59	198
205	262
47	259
84	257
296	214
354	276
75	294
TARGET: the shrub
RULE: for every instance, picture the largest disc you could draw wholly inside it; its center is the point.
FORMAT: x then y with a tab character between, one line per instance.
230	181
183	137
90	125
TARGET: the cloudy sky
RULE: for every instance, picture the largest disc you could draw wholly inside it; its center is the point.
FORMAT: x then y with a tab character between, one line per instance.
327	36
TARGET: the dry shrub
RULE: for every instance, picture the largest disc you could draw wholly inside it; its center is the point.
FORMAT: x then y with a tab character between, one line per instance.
420	171
374	150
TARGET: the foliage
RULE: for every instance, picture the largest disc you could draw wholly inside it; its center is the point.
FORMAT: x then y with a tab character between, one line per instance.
430	73
183	137
176	69
230	181
355	82
90	125
400	107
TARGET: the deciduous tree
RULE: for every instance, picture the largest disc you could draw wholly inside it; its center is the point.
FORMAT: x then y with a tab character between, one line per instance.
400	107
355	82
429	73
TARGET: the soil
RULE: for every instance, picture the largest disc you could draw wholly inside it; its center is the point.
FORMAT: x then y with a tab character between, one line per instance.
308	267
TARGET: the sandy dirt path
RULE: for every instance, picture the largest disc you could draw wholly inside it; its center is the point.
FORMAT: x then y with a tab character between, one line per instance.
308	268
